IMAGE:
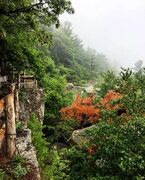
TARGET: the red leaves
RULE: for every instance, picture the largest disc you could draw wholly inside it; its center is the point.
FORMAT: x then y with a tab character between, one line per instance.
109	97
84	108
81	109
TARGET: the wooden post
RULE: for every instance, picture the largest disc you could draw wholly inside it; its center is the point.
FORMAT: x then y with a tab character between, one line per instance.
10	124
16	101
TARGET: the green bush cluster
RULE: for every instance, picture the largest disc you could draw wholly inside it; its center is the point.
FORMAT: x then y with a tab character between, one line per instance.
51	164
119	151
37	139
16	169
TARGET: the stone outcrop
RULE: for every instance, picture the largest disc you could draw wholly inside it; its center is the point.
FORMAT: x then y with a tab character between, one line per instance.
80	136
69	86
31	101
26	150
90	90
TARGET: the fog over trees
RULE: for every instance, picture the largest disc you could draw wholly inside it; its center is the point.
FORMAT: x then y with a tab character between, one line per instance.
114	28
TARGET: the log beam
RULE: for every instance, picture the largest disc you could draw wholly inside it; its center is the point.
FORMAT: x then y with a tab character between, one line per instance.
10	123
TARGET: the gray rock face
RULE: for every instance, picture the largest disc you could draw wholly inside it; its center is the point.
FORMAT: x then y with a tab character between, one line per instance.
31	101
80	137
90	90
69	86
26	150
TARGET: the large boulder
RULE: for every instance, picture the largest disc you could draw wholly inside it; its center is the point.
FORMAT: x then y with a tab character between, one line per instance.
80	137
69	86
90	90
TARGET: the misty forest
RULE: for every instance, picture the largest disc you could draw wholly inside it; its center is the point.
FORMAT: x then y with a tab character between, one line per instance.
66	111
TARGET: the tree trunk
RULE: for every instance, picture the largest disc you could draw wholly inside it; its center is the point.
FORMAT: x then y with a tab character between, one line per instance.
10	124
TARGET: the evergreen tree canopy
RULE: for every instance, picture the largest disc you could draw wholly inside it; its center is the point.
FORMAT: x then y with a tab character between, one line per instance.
22	33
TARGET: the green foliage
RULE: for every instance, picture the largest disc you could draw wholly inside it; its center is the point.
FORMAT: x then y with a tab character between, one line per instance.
33	12
15	170
109	82
132	86
80	63
19	171
2	174
116	147
19	159
25	45
51	163
122	153
58	169
119	152
56	97
79	164
24	37
40	144
38	141
64	130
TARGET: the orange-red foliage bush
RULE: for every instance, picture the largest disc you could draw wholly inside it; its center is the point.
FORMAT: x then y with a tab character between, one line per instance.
85	108
109	97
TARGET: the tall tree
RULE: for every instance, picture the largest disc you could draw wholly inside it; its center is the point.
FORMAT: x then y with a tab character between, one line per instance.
68	49
40	9
22	32
139	67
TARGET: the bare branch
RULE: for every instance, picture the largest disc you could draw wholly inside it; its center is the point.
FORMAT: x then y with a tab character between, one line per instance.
27	9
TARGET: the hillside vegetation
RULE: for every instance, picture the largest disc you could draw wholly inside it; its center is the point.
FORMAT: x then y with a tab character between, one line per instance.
32	40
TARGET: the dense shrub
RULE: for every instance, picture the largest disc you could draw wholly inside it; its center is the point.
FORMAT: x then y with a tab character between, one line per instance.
116	147
17	168
109	81
51	165
86	108
119	152
56	97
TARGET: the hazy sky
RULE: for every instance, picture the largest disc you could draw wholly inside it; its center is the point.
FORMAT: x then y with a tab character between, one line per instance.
113	27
